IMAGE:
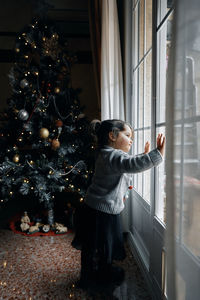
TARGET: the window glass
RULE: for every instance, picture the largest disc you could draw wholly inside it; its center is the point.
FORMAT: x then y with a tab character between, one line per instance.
160	184
148	24
191	188
141	95
163	6
140	150
141	29
135	37
147	174
141	86
148	88
163	52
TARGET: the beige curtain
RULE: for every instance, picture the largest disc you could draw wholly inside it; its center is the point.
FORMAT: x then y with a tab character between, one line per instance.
112	97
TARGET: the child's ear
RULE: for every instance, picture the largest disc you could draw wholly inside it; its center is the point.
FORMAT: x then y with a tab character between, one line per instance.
112	136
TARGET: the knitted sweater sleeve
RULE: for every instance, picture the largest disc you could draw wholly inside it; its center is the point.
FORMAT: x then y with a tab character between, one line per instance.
124	163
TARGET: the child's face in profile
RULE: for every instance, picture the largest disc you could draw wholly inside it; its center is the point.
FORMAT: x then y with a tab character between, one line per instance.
124	139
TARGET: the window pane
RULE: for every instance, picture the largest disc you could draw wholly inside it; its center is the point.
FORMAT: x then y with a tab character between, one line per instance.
160	207
163	50
191	189
141	95
148	24
141	29
147	174
135	99
135	37
147	185
147	96
163	7
135	151
190	89
140	150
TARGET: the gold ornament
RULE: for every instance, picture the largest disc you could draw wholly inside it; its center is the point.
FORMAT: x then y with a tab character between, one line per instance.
55	144
57	90
44	133
16	158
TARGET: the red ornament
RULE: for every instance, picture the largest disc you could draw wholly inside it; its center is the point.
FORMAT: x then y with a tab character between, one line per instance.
59	123
130	187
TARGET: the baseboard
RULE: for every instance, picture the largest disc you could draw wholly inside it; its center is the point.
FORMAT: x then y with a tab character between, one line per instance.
142	265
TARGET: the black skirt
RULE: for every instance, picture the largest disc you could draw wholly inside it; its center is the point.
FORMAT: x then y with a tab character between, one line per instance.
101	234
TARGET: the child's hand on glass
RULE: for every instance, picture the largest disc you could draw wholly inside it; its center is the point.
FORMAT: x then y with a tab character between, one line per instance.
147	147
161	143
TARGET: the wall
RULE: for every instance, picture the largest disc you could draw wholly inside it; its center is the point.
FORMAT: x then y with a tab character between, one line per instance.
72	18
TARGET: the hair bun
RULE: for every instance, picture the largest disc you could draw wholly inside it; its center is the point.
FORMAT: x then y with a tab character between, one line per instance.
95	126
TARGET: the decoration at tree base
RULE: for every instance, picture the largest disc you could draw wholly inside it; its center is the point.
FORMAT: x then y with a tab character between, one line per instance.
29	228
45	145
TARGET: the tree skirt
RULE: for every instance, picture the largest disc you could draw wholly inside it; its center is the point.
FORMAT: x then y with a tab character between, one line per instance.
14	223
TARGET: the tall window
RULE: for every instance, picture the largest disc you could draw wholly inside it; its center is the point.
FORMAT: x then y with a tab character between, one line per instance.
142	68
149	112
163	39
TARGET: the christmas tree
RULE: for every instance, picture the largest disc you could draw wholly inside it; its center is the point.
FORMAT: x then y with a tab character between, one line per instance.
45	147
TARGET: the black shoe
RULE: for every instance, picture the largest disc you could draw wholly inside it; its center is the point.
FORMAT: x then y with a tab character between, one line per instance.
117	274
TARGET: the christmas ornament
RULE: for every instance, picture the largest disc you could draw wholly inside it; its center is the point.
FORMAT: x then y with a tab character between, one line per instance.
57	90
16	158
59	123
44	133
81	116
23	83
55	144
45	228
23	115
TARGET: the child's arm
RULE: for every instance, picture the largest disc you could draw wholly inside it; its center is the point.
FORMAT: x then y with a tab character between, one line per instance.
124	163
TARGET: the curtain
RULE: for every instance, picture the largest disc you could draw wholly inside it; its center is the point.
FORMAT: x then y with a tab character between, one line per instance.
183	155
112	98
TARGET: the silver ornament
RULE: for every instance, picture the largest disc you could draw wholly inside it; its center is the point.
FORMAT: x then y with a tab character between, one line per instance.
23	83
23	115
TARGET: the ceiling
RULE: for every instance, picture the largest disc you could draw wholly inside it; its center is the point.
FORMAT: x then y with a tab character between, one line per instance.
70	17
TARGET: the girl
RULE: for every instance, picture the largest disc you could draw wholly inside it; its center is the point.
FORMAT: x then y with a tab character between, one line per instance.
102	237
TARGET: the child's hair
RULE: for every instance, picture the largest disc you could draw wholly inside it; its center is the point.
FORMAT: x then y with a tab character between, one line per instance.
100	130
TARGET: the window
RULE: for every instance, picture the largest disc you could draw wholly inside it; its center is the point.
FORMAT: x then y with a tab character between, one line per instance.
163	38
142	68
149	112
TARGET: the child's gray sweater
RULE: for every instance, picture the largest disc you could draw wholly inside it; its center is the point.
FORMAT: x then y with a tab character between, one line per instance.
110	183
